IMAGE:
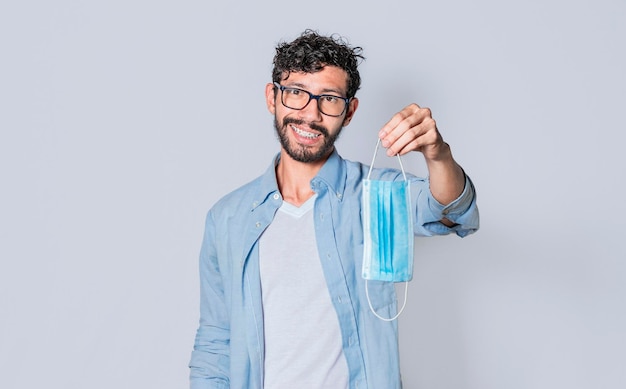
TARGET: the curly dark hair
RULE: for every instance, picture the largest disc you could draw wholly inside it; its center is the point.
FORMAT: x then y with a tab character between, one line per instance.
310	52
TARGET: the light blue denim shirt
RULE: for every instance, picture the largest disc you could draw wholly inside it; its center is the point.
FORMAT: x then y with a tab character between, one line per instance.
229	347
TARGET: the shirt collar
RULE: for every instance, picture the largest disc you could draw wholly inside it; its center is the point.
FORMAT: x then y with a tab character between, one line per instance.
268	184
332	174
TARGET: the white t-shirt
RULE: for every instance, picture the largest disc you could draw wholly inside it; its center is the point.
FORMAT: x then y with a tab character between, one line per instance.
303	345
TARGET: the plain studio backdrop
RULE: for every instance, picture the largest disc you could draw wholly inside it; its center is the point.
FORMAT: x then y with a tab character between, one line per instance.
122	122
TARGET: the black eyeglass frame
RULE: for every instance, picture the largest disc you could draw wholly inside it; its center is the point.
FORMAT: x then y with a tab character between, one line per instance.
312	97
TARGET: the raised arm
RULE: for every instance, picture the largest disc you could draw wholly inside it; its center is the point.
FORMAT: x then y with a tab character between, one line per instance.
414	129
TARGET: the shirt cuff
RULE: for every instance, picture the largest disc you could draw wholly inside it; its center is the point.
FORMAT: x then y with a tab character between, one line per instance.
462	212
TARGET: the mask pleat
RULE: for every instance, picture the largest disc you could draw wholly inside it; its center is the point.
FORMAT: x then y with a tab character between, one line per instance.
390	227
383	234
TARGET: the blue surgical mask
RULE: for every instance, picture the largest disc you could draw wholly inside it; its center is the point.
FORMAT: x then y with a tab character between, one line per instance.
387	229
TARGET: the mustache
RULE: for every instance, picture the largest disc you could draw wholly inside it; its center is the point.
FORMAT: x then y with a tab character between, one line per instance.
313	126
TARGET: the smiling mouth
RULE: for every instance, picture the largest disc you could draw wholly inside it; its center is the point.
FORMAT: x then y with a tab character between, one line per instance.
305	134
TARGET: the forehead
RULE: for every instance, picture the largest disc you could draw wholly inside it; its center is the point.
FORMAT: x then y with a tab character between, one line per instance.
329	79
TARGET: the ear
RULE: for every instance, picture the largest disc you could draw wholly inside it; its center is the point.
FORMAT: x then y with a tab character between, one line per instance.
270	97
352	106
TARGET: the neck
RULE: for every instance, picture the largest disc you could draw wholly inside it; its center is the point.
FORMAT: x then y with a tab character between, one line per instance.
294	178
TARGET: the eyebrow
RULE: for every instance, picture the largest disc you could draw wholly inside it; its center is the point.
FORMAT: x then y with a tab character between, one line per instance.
326	90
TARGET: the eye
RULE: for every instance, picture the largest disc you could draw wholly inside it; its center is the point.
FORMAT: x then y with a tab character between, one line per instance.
330	99
293	92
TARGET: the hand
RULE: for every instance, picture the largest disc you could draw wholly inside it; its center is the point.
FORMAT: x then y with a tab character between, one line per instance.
413	129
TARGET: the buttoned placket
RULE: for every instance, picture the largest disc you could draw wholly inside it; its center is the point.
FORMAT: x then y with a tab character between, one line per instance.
262	214
334	272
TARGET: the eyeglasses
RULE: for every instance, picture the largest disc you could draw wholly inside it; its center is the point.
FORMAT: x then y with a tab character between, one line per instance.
296	98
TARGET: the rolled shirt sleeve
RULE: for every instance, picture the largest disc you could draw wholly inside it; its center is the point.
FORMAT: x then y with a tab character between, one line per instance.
463	212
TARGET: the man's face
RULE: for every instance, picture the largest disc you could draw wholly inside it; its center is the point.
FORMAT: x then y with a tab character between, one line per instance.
307	135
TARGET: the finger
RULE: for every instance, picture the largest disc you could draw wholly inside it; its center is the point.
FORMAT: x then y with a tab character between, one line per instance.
427	139
397	119
407	141
415	138
410	117
410	128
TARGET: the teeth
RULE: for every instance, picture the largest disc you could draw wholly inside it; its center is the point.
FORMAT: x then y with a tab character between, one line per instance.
305	133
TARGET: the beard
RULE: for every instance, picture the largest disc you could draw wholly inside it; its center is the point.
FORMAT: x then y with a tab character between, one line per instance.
303	153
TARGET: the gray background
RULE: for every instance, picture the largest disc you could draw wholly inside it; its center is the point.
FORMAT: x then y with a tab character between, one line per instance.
122	122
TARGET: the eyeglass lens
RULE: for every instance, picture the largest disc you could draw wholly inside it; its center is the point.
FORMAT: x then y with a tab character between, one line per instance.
298	99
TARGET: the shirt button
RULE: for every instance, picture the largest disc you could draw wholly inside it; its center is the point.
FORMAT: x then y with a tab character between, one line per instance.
445	211
276	196
258	224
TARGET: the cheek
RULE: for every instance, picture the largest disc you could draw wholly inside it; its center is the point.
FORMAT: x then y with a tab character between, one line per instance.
281	112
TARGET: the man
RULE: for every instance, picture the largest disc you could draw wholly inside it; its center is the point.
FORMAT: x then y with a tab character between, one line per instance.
283	303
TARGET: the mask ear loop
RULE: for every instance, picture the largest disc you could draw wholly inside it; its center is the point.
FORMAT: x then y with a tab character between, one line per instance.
369	173
406	293
406	283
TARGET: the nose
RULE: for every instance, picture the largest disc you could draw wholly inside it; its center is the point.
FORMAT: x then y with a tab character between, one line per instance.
311	112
